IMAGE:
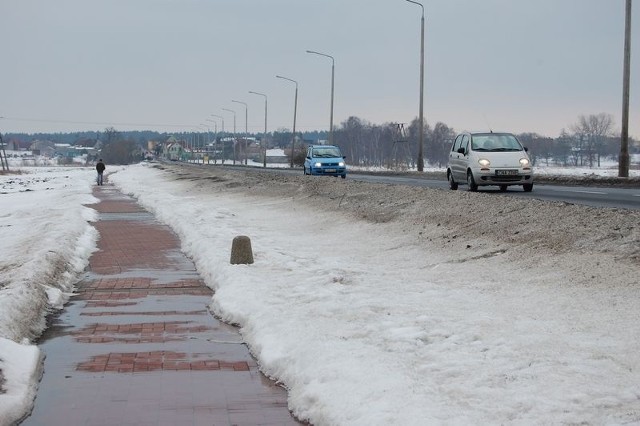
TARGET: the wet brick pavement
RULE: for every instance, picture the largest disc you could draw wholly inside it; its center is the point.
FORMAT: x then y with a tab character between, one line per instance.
137	346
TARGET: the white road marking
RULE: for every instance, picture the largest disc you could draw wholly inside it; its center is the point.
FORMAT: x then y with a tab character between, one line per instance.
583	192
592	192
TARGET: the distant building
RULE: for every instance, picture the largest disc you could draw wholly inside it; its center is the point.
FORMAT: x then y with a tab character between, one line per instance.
86	143
90	147
16	145
173	149
65	150
45	148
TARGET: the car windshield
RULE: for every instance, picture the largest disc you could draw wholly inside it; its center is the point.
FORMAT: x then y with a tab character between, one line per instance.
495	142
326	152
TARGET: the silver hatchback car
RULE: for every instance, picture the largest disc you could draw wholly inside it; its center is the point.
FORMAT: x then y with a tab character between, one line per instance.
482	159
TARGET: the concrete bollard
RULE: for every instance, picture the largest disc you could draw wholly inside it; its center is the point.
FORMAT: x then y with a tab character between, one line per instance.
241	253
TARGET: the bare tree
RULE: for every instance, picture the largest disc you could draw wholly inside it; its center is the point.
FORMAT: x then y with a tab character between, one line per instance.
591	132
439	144
540	147
110	135
353	138
561	151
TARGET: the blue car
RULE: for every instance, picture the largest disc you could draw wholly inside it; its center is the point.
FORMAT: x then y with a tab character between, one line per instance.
325	160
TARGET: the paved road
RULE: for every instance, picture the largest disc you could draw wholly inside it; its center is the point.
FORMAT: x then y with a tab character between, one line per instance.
625	198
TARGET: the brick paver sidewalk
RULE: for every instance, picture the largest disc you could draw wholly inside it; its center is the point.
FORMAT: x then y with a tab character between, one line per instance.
137	345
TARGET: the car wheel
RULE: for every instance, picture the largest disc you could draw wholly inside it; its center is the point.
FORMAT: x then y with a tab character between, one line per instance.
528	187
473	186
453	185
503	188
343	176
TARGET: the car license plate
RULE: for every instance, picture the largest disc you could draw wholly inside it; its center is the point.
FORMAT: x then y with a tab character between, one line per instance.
506	172
330	170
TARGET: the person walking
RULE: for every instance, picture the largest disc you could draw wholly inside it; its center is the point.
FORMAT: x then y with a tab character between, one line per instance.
100	169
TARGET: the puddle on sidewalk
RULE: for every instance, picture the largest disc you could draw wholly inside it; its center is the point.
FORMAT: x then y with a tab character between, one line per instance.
205	376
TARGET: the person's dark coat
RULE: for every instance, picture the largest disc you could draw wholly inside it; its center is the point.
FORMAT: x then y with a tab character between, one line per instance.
100	166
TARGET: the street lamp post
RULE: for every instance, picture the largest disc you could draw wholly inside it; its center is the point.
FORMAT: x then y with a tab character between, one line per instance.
215	125
295	108
234	132
187	145
421	119
192	146
216	144
198	143
264	137
221	119
246	127
195	142
207	141
213	146
333	63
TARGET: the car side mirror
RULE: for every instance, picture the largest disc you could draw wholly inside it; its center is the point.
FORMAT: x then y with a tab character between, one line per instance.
344	157
526	149
460	150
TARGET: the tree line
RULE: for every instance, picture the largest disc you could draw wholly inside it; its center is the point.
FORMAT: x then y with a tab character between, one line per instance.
390	145
394	145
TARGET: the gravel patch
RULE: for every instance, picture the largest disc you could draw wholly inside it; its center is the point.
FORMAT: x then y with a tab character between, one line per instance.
595	245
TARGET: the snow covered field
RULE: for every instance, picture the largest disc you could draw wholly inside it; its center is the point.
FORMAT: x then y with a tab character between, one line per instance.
46	242
373	305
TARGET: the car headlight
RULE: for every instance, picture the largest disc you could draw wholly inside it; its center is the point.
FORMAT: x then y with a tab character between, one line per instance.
341	164
484	162
317	165
524	162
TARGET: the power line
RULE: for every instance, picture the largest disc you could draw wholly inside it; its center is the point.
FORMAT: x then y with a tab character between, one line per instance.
143	125
95	123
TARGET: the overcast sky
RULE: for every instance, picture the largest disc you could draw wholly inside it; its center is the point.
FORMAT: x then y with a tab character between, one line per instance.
167	65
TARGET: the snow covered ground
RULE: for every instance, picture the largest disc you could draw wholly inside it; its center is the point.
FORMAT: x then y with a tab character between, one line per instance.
46	242
367	302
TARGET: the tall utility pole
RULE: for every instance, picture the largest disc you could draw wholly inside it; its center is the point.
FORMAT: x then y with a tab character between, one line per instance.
3	155
623	160
421	118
